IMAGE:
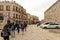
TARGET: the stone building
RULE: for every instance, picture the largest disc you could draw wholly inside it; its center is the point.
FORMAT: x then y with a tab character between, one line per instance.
52	14
32	19
35	19
10	10
29	18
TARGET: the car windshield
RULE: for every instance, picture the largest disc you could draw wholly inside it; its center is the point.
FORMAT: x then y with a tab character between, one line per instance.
54	24
46	23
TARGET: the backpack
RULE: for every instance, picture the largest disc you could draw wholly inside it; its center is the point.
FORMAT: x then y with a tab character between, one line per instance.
17	26
13	27
22	26
5	33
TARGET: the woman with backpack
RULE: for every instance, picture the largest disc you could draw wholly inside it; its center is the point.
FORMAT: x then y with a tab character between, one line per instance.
22	27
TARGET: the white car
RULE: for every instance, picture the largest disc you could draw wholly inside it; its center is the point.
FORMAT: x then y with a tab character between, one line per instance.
50	25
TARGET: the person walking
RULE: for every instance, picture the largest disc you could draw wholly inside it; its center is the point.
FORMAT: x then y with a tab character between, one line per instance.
6	31
12	30
22	27
17	25
25	24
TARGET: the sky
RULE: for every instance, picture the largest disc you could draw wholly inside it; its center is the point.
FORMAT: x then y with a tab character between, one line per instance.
36	7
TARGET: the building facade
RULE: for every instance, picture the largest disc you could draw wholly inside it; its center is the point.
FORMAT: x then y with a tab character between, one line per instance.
53	13
11	11
32	19
29	18
35	19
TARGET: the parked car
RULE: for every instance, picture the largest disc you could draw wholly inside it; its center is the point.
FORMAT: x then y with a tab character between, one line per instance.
50	25
44	25
38	24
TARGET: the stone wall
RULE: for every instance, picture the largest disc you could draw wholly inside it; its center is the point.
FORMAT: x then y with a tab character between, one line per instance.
53	13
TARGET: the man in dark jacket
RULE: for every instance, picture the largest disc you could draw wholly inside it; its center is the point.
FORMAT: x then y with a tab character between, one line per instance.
6	31
25	24
17	25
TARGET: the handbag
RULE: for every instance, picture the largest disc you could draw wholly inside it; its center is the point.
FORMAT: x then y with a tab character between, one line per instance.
1	34
9	33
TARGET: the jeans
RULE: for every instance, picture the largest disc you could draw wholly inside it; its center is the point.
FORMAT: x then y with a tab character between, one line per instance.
22	30
12	33
18	30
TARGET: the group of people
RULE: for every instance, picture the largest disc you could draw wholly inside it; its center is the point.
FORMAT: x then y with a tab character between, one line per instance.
9	29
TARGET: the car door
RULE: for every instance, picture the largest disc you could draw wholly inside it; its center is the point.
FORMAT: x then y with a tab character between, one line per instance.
52	26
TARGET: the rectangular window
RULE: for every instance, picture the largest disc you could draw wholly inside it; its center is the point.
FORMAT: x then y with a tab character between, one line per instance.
8	15
14	8
1	16
1	7
19	22
8	8
19	10
1	22
17	16
13	15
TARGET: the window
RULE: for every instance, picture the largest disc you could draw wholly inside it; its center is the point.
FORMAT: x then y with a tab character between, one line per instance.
1	16
16	15
19	16
1	22
1	7
19	10
13	15
14	8
8	8
8	15
19	22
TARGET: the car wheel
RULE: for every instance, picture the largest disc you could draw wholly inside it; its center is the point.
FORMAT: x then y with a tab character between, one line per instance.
57	27
45	27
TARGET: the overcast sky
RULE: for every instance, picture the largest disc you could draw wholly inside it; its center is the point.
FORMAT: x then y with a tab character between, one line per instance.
36	7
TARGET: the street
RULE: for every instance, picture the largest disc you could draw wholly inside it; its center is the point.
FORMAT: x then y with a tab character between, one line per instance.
36	33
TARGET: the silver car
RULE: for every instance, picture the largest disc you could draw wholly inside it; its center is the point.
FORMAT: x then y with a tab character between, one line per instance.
50	25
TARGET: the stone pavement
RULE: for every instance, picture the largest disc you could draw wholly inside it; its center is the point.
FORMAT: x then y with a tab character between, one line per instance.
35	33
